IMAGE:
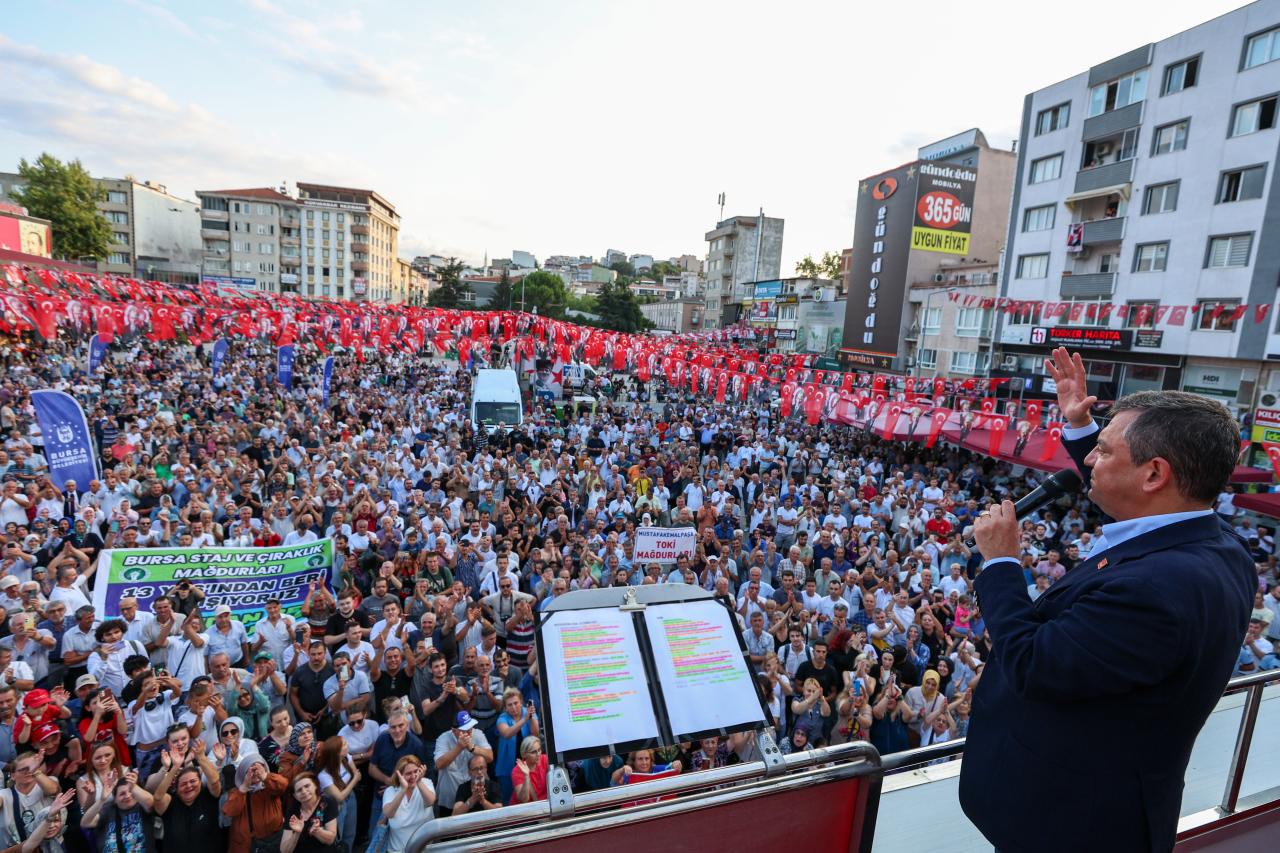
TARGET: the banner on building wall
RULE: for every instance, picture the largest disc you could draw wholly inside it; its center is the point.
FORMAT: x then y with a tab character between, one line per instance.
944	208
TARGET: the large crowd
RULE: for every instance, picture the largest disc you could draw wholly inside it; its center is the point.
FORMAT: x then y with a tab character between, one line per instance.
409	688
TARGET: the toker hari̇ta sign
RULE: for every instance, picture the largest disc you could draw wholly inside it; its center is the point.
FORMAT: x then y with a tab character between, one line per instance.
664	544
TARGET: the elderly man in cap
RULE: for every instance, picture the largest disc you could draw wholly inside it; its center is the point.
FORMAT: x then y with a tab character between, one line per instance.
228	636
453	753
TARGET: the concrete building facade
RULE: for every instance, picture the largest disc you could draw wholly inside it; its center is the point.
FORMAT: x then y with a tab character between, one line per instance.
1146	216
741	250
676	316
241	231
950	204
350	243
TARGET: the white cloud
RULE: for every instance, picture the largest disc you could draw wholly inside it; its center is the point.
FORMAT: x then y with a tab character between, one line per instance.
103	79
165	16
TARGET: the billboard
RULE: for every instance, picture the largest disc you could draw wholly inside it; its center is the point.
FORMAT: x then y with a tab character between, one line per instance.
768	289
878	275
944	208
23	234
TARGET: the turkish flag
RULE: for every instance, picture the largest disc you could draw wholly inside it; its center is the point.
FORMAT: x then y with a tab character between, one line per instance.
722	384
813	400
45	314
1033	413
995	433
939	386
891	421
1052	441
846	382
784	402
937	419
1273	453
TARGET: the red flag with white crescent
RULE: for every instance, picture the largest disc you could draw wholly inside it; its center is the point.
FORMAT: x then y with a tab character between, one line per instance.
995	434
891	420
937	420
1033	413
1273	453
1052	441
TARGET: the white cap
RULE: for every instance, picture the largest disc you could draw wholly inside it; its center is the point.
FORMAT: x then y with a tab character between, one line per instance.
220	609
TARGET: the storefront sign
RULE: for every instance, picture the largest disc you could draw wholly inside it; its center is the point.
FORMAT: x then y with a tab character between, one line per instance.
1086	337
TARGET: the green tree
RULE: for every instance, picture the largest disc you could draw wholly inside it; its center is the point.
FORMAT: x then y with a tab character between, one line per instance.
546	292
828	267
64	194
661	269
623	268
619	310
451	289
502	294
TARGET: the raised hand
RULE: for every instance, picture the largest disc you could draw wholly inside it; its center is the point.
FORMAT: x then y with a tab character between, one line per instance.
1068	373
295	824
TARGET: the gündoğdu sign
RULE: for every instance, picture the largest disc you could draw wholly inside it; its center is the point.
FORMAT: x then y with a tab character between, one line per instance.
664	544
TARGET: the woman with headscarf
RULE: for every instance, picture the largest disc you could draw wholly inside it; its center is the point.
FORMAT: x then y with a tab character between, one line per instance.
232	746
300	754
255	806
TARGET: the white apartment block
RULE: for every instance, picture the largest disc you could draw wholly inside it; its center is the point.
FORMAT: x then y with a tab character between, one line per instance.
1145	187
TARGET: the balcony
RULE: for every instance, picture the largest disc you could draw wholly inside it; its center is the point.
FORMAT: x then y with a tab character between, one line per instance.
1101	177
290	241
214	215
1112	123
1088	285
913	333
213	234
361	230
360	266
290	222
360	247
1104	231
290	260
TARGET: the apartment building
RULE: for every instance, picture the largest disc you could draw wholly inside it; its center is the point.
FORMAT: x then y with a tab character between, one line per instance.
350	242
1145	217
741	250
245	243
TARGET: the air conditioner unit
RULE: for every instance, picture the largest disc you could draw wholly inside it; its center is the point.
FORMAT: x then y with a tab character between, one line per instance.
1269	400
939	277
911	362
1010	363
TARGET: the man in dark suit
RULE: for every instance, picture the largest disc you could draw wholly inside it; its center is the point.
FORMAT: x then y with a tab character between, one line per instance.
1092	696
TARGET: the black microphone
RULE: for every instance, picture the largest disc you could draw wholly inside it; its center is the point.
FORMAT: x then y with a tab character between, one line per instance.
1064	482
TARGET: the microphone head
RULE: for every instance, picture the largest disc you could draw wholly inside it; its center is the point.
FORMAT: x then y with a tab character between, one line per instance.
1063	482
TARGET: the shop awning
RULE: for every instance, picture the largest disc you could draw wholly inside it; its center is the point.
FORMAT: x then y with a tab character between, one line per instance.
1264	504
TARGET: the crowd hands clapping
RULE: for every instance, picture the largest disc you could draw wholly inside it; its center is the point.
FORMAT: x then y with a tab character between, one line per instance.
409	688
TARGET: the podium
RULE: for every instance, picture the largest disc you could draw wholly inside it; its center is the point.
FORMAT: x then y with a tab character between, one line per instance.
651	666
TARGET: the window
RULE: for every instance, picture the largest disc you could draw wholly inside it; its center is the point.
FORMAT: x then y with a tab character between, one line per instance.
1210	319
120	238
932	321
1181	75
1088	314
1253	116
119	217
1033	266
1038	218
973	322
118	258
1241	184
1109	263
266	248
1129	89
1054	118
1046	169
324	216
970	362
786	312
1105	151
117	197
1141	377
213	203
311	216
1160	198
1262	48
342	217
264	210
1171	137
1151	257
927	358
1231	250
1140	315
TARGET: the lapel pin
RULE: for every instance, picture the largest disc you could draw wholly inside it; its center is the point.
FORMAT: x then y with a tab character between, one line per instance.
1102	564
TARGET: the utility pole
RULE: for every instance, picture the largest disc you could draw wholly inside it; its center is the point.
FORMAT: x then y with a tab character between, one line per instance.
721	200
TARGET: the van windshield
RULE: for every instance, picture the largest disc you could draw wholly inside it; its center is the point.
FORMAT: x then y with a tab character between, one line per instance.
498	413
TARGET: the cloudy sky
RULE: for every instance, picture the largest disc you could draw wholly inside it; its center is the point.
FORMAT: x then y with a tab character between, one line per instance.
555	127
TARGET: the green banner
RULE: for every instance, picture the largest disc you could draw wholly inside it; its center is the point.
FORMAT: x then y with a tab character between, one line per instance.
241	578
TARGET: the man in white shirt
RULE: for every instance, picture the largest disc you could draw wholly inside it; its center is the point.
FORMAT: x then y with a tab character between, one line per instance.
302	534
137	622
274	632
954	582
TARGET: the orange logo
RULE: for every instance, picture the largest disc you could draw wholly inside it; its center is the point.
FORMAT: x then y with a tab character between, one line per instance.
884	188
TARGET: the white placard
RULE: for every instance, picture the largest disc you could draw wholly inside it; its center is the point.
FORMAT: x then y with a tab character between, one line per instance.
664	544
596	688
706	683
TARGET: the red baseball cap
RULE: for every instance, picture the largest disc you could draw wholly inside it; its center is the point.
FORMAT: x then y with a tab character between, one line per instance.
39	696
45	730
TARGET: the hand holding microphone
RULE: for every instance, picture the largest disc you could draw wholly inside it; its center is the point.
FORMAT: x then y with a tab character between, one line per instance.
1062	483
996	531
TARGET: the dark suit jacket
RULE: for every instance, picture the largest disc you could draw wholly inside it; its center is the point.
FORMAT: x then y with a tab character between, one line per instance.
1093	695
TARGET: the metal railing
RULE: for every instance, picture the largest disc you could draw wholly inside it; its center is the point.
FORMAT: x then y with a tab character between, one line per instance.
550	817
1253	684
